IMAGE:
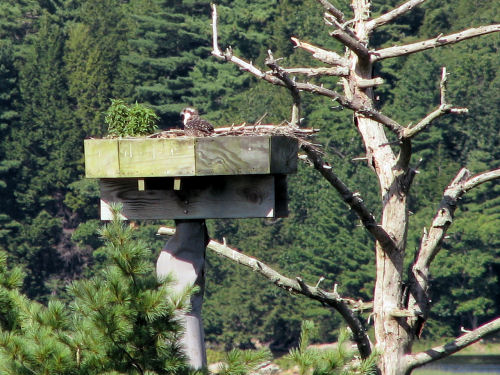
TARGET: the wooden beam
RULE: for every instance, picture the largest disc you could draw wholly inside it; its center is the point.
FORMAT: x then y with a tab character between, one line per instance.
200	197
101	158
190	156
144	157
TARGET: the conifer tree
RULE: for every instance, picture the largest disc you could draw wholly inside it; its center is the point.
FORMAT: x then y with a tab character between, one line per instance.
121	321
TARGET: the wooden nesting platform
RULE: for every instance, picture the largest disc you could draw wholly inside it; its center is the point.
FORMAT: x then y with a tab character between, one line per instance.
187	177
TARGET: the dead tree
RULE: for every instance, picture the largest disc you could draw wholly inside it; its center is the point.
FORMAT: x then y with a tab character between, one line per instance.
397	320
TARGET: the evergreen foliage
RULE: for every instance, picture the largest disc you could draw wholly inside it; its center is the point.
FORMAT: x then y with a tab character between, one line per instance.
242	362
121	321
339	360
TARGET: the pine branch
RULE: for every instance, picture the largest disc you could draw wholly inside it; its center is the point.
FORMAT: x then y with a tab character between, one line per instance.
439	41
393	14
345	306
419	359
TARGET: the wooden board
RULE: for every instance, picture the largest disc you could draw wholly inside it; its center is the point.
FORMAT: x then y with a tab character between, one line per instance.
101	158
232	156
190	156
156	157
199	197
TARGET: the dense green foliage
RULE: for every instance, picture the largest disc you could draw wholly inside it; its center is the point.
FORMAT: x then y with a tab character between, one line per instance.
124	120
62	61
121	321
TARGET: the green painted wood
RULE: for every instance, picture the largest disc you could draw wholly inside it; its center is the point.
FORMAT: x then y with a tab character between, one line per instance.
156	157
232	155
101	158
188	156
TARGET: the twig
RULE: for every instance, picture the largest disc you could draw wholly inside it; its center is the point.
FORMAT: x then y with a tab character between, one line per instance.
393	14
443	109
290	84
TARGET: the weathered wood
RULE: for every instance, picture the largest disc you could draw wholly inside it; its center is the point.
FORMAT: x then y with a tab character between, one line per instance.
144	157
232	155
199	197
101	158
188	156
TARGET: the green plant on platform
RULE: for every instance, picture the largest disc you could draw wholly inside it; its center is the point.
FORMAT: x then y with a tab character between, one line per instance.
124	120
338	361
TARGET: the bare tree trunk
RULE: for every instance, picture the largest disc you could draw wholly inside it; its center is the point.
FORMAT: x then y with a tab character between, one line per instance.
399	311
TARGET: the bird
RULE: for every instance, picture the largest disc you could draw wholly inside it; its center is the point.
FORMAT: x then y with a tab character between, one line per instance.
194	125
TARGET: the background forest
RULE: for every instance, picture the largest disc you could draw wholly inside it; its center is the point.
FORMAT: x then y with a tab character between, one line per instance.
62	61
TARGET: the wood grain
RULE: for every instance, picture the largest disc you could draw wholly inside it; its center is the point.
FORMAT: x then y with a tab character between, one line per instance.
190	156
156	157
101	158
199	197
232	155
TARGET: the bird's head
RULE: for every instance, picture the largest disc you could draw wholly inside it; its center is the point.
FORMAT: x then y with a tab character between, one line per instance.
187	113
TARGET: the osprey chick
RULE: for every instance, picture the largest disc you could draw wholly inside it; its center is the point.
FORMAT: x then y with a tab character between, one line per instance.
194	125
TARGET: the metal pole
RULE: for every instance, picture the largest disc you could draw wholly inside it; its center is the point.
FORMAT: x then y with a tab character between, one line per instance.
183	256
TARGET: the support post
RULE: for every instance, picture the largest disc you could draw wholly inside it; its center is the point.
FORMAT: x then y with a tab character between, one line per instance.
183	256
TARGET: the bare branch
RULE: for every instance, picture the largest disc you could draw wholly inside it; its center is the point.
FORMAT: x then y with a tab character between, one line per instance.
228	55
332	10
419	359
439	41
354	105
431	243
393	14
323	55
352	199
366	83
346	307
339	71
443	109
410	132
352	43
290	84
432	239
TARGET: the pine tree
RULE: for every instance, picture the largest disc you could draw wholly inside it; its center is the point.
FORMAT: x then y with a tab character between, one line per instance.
121	321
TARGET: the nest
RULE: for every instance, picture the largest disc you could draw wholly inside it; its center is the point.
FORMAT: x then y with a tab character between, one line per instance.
303	135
